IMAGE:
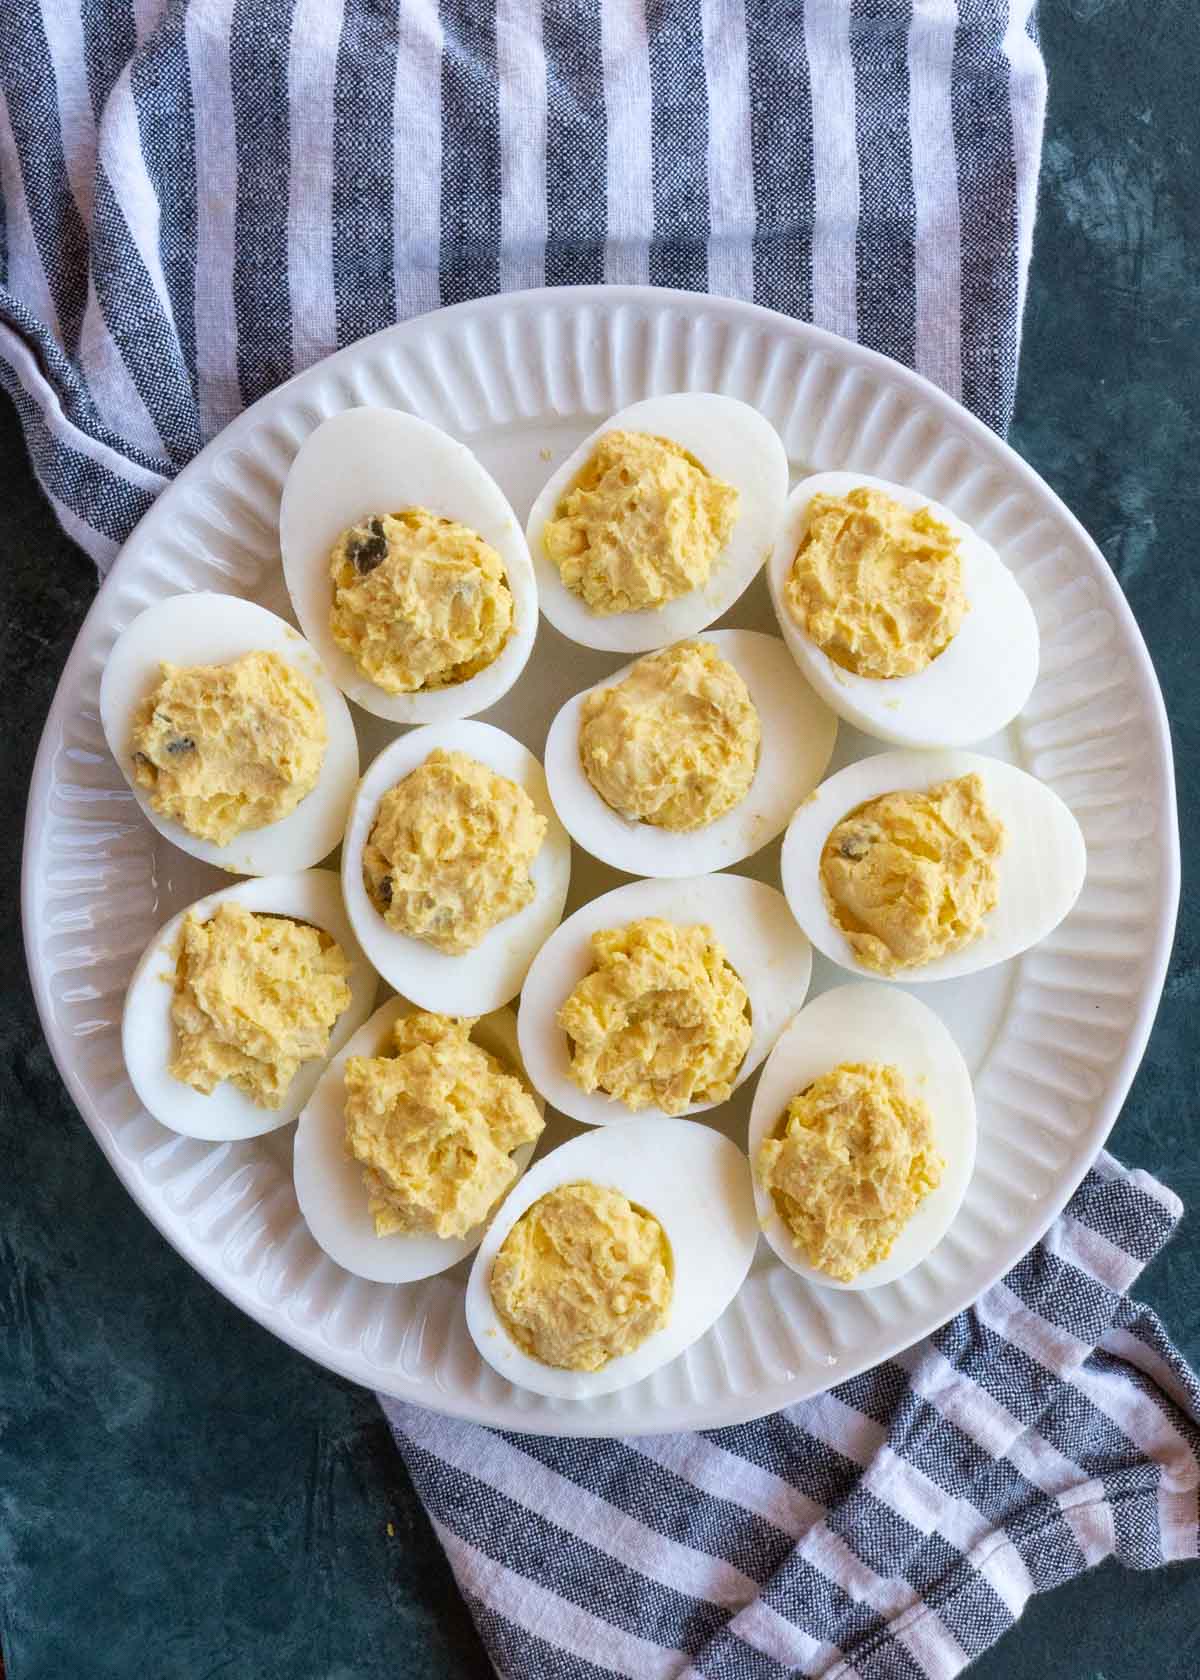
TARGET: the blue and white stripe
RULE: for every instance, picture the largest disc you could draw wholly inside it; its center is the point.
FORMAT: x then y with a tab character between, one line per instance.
202	198
892	1528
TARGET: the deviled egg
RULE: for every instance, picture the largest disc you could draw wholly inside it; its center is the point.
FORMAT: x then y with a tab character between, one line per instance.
660	519
691	758
922	866
420	1135
862	1137
903	619
651	1230
237	1004
407	567
455	867
661	995
235	743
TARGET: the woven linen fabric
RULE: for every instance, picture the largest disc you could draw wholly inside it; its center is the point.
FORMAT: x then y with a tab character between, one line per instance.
891	1529
202	197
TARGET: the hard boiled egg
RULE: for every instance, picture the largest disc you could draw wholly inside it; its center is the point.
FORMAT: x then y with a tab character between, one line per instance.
374	461
489	975
750	922
732	442
1039	872
208	629
974	687
695	1183
329	1182
148	1035
862	1023
798	732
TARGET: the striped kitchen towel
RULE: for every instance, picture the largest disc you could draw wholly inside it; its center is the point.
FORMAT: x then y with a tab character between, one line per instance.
202	197
891	1529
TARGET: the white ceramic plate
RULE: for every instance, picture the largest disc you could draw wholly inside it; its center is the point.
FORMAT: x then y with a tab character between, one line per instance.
1053	1038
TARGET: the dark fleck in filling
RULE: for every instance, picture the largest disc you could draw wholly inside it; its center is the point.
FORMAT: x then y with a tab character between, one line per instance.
854	847
383	889
181	744
367	552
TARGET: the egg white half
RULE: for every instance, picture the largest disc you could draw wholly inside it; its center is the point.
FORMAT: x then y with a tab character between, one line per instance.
1039	873
973	689
695	1183
209	629
732	441
329	1182
750	921
148	1035
491	974
798	732
862	1023
377	460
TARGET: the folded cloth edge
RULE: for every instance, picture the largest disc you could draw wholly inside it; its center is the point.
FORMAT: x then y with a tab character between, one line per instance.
950	1509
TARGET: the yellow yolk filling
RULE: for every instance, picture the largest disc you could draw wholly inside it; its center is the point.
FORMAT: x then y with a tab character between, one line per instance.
450	852
418	601
676	742
853	1160
226	748
582	1278
662	1018
910	877
255	998
433	1124
877	586
642	524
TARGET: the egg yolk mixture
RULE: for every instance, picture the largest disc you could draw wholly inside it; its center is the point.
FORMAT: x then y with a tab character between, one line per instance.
675	743
877	586
583	1277
418	601
642	524
433	1125
910	876
853	1160
226	748
255	997
662	1018
450	851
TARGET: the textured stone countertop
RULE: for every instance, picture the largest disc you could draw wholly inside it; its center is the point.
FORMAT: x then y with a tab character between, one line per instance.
180	1494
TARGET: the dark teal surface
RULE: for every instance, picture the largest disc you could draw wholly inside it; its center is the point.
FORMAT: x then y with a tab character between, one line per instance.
181	1496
